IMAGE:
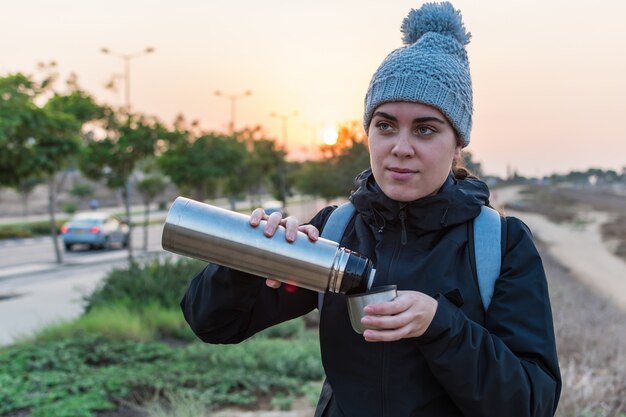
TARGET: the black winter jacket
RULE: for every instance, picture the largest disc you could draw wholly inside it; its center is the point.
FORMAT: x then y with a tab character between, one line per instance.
469	362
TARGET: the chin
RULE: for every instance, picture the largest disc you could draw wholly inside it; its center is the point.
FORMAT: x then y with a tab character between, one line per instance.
403	195
406	194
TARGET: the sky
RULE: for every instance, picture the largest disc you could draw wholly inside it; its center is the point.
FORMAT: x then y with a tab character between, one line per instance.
548	75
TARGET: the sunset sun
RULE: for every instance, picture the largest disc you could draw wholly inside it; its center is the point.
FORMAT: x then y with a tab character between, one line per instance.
329	136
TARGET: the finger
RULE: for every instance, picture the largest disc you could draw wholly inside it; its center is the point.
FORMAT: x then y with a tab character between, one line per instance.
402	302
311	231
272	224
291	228
272	283
386	322
387	308
256	217
371	335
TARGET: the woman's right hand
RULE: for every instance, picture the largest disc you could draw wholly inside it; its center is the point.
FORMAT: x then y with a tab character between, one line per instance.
292	227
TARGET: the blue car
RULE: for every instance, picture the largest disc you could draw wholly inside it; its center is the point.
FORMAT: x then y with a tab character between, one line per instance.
96	230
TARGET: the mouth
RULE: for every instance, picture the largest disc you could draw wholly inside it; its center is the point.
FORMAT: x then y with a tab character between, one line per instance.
402	170
401	174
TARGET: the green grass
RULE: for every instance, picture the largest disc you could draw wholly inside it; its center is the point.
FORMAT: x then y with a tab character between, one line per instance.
176	406
81	375
112	323
120	323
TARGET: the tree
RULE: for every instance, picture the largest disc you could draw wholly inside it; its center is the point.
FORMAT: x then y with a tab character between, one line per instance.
474	167
81	191
39	142
333	175
25	188
61	141
202	166
129	139
317	178
17	117
263	167
255	173
149	187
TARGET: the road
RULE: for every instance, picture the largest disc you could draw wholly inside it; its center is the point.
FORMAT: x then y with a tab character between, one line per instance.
36	291
26	254
30	302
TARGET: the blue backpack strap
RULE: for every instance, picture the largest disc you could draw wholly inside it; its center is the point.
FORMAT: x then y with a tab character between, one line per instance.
487	251
487	245
334	229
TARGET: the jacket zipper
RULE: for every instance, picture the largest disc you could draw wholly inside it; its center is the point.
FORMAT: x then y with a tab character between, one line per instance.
384	380
391	270
402	216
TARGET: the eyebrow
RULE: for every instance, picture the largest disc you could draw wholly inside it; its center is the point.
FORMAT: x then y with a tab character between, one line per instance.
416	120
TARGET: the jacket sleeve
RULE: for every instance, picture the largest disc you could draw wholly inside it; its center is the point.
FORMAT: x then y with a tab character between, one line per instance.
223	305
509	366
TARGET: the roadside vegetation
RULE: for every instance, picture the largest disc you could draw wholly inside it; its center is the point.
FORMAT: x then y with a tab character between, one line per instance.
21	230
27	229
572	202
132	354
591	332
591	342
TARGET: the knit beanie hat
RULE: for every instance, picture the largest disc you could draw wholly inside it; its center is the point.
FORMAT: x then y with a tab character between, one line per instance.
432	68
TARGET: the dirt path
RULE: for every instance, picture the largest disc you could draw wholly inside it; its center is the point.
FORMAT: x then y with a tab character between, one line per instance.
578	247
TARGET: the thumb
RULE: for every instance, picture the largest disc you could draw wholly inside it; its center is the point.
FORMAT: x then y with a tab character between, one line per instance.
272	283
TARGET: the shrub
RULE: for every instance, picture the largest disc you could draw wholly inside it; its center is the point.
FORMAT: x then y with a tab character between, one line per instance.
117	322
114	322
69	207
22	230
160	282
82	375
286	330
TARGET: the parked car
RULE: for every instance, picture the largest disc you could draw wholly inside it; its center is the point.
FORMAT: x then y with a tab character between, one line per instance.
96	230
273	206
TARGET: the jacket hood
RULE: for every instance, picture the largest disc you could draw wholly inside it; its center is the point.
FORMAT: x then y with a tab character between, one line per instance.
458	201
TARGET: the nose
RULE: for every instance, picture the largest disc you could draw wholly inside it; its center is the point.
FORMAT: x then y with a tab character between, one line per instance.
402	147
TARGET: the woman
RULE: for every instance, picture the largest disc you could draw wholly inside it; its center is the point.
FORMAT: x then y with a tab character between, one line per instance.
436	351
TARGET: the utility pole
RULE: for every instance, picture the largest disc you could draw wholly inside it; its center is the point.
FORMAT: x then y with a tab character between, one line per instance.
281	170
128	186
233	99
285	119
127	58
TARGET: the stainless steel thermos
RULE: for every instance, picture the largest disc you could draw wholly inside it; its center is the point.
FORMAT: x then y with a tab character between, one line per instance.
223	237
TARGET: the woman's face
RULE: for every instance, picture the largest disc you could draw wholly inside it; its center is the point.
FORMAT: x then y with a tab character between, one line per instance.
412	147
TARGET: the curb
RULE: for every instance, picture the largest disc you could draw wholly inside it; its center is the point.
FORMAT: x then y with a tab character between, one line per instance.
22	270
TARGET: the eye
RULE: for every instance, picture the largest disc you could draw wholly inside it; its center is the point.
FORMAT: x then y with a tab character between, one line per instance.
384	126
425	131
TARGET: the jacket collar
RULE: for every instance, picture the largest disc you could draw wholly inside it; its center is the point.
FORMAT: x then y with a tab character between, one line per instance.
456	202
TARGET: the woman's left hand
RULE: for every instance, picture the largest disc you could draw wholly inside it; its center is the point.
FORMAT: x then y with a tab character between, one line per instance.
408	315
291	225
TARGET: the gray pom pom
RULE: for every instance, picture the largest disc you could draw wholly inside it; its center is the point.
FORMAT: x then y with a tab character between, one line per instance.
434	17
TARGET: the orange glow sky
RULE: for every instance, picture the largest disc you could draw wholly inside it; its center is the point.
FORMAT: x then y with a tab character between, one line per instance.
549	83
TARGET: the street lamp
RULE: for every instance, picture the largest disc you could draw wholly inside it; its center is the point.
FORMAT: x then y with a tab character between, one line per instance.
128	186
281	169
127	58
233	98
284	118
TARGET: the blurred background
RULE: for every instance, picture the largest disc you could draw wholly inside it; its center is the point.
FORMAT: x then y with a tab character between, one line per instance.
109	110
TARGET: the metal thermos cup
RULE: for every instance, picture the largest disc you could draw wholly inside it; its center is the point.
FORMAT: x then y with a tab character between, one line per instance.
224	237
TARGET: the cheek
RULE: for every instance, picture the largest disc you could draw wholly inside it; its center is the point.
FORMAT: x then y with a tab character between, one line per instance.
375	151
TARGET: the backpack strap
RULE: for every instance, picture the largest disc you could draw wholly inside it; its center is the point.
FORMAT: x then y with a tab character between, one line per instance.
487	251
334	229
487	245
